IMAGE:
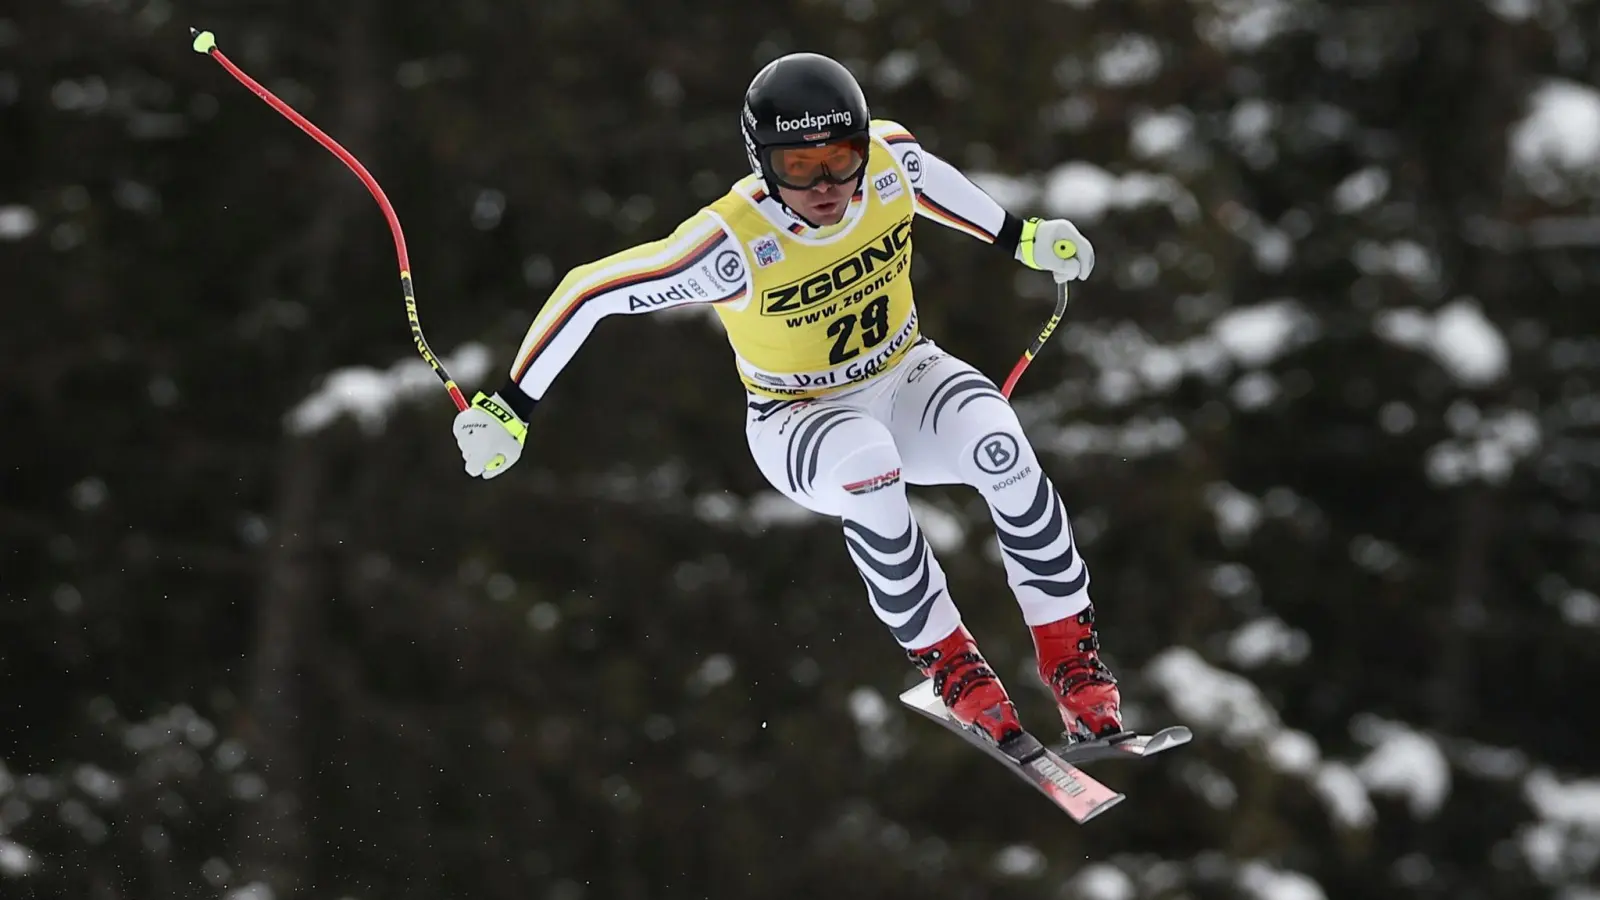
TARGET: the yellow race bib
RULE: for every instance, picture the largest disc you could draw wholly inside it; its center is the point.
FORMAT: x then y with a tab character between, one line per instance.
830	308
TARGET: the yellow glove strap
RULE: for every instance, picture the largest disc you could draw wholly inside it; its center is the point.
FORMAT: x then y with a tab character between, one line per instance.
1025	243
504	416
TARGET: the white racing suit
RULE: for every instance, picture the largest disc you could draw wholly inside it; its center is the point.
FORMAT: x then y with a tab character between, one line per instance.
848	401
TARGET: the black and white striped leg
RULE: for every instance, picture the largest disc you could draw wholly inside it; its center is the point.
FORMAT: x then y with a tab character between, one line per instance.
905	583
1046	573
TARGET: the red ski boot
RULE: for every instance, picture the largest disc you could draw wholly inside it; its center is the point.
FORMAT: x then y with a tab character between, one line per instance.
1069	663
968	687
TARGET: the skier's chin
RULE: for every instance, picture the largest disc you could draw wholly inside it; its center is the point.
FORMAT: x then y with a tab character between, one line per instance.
828	212
819	208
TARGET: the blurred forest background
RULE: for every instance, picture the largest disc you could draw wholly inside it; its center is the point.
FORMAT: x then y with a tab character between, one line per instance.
1325	415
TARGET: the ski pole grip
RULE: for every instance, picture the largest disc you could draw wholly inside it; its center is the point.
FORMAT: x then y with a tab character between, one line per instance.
1065	249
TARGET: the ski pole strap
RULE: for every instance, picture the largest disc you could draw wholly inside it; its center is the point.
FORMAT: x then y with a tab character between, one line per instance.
507	419
1025	242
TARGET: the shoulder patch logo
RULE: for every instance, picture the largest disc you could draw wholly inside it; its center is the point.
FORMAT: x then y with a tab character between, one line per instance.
767	250
912	161
730	267
888	186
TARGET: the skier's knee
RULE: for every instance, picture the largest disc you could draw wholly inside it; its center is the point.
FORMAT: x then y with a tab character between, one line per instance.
997	455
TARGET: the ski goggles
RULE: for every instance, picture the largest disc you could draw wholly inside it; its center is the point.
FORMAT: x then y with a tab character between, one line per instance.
800	168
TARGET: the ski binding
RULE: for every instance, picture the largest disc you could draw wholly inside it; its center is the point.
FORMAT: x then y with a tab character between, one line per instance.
1124	745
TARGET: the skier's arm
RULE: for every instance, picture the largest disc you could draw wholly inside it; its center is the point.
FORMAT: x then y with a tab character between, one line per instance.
950	198
698	263
947	196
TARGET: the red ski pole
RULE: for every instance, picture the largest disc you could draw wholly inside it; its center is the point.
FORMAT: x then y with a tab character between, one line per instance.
1065	250
205	42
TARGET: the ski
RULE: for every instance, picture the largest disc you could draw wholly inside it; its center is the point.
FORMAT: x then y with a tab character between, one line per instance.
1070	788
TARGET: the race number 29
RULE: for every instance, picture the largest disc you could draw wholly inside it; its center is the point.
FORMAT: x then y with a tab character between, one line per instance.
874	322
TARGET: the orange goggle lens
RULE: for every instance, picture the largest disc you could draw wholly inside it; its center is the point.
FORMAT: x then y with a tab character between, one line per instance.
804	167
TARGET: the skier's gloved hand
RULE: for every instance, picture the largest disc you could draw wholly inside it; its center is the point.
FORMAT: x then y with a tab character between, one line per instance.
490	435
1056	246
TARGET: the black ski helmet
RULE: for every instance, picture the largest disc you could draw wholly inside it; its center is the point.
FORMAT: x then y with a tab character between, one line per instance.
801	100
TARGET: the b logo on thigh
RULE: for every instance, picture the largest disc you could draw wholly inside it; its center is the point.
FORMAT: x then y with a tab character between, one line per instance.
995	453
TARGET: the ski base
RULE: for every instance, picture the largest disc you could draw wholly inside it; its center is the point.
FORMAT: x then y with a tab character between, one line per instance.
1070	788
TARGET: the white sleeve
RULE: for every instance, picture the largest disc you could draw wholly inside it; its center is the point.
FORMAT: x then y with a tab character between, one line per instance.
700	262
943	193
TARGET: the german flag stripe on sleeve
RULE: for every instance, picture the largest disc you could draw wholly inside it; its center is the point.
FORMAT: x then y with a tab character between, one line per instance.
626	278
898	137
952	219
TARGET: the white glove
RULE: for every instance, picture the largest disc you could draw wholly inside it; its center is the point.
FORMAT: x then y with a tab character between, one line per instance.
1056	246
490	436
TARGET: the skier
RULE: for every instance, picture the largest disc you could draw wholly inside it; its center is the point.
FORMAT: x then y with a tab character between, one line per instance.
806	262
